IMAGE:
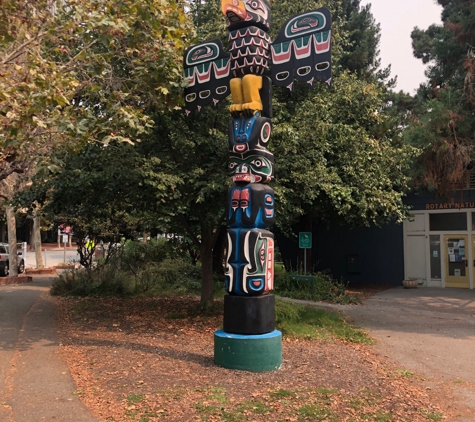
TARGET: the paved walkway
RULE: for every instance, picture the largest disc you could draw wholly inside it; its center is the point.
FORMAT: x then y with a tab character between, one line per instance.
35	383
437	327
428	331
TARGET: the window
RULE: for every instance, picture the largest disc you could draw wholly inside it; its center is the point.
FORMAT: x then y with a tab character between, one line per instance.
448	221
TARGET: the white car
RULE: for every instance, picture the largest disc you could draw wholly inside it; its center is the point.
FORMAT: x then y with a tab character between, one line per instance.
4	260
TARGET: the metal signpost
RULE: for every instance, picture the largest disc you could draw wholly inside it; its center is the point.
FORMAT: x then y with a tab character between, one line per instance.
305	242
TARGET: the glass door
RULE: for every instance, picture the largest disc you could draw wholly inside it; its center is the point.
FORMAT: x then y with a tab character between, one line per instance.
456	261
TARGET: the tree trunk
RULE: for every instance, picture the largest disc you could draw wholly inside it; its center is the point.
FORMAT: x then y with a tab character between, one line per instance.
31	237
206	255
219	255
2	233
37	241
12	249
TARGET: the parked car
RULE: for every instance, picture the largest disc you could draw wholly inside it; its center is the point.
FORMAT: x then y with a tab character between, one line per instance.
4	260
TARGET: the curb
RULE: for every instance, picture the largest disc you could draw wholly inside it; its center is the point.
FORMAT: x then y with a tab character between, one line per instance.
35	271
22	279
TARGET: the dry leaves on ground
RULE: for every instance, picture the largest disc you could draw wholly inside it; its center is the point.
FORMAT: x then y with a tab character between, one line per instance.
149	360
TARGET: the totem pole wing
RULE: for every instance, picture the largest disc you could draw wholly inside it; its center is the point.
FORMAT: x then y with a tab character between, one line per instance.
207	69
303	50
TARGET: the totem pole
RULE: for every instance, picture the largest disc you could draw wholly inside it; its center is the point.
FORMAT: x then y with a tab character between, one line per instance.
302	51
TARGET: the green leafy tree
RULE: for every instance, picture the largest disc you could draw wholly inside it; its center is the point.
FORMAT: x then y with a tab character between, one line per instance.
361	52
337	155
84	70
99	192
336	159
79	71
194	152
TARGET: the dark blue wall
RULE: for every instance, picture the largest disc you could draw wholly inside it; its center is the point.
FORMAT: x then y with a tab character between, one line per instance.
363	255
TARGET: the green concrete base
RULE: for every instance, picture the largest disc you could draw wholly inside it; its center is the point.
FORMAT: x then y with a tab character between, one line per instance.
253	353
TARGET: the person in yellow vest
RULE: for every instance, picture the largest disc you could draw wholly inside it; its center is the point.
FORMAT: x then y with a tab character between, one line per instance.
90	244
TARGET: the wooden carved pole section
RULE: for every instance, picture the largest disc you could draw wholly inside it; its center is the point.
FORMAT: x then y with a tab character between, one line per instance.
302	51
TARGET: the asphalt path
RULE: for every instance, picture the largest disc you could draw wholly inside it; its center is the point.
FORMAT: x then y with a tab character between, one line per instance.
35	383
428	331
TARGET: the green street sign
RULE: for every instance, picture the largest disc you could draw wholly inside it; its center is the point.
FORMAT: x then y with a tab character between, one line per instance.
305	240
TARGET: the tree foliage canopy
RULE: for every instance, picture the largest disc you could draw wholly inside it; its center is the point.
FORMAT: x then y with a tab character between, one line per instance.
85	70
338	156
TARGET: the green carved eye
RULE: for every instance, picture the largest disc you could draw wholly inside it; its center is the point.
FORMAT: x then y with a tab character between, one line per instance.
258	163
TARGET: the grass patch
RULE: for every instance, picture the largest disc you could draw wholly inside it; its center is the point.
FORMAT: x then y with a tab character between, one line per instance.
315	413
135	398
280	394
254	406
431	415
383	416
404	373
213	403
307	322
206	410
145	417
217	394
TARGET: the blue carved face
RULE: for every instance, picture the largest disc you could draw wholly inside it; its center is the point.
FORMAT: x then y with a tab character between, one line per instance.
242	13
246	133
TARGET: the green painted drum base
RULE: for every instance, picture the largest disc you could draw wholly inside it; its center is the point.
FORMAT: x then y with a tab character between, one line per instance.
253	353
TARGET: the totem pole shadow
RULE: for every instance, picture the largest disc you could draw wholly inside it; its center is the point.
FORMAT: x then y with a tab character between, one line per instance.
171	353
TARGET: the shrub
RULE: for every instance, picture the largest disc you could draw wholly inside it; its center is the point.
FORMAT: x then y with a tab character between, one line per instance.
85	282
137	268
324	289
286	311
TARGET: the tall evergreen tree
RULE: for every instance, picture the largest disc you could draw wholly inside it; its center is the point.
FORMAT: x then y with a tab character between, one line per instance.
443	122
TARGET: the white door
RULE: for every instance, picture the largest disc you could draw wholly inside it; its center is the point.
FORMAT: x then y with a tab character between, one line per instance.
415	259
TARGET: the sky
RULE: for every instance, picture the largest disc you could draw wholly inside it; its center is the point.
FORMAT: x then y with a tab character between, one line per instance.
397	20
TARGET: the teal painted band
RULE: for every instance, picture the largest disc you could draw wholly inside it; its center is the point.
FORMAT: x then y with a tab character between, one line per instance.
257	353
272	334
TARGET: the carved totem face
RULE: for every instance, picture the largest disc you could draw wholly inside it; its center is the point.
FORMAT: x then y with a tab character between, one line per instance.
248	133
252	167
241	13
251	206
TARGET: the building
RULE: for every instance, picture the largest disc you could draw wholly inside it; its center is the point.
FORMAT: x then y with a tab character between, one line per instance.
436	246
439	242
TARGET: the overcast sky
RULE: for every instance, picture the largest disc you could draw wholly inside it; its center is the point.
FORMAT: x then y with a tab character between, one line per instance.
397	19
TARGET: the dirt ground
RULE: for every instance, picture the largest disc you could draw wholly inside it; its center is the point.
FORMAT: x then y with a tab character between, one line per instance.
152	359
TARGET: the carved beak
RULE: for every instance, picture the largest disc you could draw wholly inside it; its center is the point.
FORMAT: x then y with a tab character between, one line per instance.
234	10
